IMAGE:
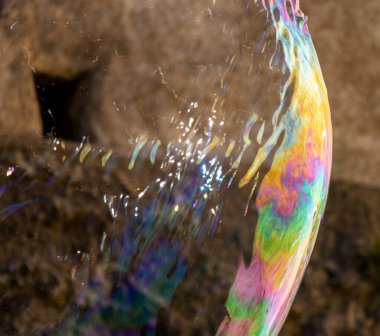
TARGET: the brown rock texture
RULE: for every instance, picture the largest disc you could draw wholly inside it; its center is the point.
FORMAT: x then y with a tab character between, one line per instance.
134	65
18	103
65	40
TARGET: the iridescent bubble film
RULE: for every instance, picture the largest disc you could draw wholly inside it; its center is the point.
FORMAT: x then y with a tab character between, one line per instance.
215	193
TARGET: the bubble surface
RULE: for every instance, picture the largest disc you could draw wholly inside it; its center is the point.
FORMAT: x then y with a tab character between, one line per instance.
213	197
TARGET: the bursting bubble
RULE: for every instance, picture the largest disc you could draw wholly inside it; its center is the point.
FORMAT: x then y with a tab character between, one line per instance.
213	169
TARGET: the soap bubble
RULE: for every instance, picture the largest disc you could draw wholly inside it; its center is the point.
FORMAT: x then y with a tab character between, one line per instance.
223	180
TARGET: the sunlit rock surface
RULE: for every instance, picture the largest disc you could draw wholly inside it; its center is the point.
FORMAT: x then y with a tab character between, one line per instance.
128	77
64	40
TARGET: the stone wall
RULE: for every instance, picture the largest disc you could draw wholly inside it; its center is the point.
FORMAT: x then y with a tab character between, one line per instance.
128	77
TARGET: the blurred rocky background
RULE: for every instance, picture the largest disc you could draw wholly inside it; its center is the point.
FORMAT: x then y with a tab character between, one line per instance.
44	85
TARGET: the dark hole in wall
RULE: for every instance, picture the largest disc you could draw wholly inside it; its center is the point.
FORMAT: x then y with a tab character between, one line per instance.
55	96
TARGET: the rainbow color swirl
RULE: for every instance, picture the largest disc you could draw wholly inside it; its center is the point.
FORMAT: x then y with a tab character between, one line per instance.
293	194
